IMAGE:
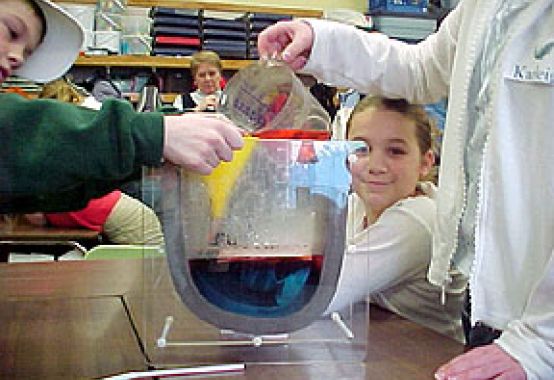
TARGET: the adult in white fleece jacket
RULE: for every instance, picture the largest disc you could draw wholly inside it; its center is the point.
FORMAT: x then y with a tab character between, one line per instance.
494	59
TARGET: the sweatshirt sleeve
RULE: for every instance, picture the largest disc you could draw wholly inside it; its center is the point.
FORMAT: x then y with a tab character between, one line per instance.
372	63
530	339
54	151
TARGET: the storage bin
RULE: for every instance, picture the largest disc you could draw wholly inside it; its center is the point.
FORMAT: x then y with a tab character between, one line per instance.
108	22
112	6
131	25
109	40
412	6
88	43
138	11
82	13
136	44
449	4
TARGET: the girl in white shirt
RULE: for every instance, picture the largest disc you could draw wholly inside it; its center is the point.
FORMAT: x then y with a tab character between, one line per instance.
392	217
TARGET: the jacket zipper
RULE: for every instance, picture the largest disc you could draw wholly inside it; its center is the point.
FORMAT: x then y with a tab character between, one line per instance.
447	277
493	85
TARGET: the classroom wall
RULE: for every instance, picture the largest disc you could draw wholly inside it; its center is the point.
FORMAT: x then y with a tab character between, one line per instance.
357	5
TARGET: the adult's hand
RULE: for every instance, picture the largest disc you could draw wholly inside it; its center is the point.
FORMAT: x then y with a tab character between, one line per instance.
200	141
482	363
291	40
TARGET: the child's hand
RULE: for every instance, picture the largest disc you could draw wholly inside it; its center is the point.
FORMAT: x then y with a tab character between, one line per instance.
482	363
199	141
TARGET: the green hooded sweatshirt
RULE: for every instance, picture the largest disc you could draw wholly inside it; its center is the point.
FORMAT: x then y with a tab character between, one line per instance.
56	156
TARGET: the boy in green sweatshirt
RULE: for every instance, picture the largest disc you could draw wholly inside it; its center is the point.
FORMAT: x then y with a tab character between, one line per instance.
56	156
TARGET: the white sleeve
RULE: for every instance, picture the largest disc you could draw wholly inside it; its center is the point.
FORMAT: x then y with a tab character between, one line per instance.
530	340
393	249
372	63
338	126
178	102
92	103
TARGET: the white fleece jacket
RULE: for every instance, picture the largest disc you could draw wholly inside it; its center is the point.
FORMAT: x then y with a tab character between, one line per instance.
512	278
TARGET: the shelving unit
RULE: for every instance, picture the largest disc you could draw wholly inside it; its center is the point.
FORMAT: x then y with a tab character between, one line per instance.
184	62
215	6
140	62
150	61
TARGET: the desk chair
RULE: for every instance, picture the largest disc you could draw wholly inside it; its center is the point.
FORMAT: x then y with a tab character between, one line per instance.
122	251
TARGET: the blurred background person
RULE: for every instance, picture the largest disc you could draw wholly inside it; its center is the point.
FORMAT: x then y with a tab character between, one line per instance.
206	70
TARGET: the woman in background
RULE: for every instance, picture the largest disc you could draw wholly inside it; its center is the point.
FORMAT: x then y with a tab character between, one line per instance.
205	68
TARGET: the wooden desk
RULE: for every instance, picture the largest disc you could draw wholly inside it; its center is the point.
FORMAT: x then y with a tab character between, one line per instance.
70	319
29	232
66	338
65	320
23	234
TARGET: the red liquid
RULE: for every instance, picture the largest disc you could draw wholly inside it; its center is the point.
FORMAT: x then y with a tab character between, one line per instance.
315	261
296	134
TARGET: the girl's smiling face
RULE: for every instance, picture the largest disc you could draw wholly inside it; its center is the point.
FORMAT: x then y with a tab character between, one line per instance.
21	32
388	168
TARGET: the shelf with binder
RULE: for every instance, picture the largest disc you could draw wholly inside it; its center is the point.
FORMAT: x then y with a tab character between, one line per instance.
151	62
171	68
165	98
128	65
215	6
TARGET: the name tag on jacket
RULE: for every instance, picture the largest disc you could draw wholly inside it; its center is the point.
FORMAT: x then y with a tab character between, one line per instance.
534	65
539	73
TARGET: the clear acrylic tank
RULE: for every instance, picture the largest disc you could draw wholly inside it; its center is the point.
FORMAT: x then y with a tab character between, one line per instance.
254	253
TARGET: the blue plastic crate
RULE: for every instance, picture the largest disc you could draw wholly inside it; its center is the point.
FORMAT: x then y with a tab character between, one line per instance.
412	6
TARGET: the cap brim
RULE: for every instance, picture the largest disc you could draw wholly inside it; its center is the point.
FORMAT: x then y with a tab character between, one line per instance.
59	49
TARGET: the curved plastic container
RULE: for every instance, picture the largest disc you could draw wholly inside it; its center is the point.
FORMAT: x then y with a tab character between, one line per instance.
267	95
255	253
257	246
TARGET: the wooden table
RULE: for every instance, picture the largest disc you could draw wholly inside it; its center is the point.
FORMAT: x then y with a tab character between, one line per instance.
74	319
67	320
23	234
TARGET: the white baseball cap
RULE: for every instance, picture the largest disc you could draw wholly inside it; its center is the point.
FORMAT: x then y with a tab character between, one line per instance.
59	48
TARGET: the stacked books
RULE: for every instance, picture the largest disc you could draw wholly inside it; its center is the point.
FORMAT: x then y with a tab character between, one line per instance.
182	32
226	34
175	31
